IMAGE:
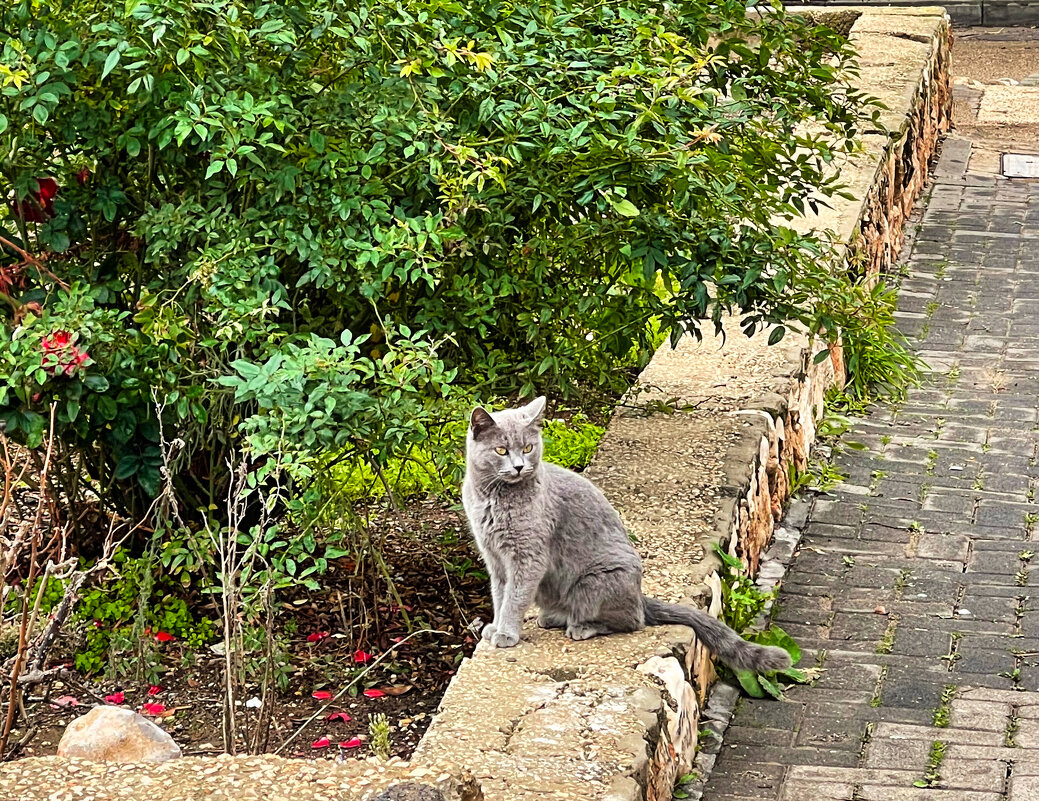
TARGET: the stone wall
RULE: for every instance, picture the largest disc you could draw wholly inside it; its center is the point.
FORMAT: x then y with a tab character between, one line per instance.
617	718
962	12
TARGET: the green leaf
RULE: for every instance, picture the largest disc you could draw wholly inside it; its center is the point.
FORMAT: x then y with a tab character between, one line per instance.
748	680
626	208
95	383
777	334
770	687
128	465
3	123
110	63
214	168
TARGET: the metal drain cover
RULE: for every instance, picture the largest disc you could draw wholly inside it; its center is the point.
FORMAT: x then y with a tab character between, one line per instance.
1020	165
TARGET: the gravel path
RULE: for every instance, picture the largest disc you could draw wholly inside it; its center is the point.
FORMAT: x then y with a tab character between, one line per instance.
221	778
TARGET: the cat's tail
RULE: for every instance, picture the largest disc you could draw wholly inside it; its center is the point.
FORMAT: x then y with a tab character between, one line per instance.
726	644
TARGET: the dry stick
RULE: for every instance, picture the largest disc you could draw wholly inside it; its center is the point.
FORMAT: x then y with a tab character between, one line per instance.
39	265
354	681
14	696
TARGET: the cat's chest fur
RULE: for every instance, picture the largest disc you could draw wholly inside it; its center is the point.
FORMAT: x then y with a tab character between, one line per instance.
497	518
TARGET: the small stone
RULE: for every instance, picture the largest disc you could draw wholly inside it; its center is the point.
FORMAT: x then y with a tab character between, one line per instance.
880	610
114	734
963	612
410	791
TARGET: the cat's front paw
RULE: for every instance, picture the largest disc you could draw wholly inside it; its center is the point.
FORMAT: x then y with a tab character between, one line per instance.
504	639
489	631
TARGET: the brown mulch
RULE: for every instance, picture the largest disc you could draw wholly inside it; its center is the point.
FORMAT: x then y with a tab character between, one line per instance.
439	583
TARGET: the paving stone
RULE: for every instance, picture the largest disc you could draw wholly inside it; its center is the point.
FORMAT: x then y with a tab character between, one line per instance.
1023	788
910	755
973	774
814	791
836	732
981	715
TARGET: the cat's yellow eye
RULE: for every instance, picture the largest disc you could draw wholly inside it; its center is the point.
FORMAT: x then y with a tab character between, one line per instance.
528	449
501	451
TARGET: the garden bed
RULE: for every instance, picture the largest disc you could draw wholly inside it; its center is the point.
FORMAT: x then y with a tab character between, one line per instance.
441	585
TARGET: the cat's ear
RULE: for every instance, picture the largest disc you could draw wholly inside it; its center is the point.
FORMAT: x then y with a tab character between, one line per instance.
480	421
535	411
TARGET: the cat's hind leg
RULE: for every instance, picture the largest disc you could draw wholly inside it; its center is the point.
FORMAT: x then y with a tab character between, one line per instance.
552	619
604	603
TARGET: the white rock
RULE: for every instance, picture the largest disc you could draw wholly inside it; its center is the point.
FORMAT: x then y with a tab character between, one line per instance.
115	734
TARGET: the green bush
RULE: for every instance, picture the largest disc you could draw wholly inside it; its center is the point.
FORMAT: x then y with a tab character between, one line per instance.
316	229
120	613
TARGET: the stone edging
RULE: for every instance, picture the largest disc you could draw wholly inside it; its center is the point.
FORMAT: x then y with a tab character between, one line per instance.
618	718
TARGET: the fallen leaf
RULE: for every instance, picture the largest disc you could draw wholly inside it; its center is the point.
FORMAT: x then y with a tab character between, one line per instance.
339	716
374	693
321	695
317	636
162	636
153	709
324	742
397	689
362	656
116	698
64	701
354	743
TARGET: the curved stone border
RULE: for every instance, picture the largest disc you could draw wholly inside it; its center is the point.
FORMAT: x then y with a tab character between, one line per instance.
618	718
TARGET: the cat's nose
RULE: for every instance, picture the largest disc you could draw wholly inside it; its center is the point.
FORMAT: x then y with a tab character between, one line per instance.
519	468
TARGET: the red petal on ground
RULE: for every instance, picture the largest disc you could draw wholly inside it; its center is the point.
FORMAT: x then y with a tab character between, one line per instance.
374	693
354	743
317	636
339	716
152	709
116	698
321	695
362	656
324	742
155	689
162	636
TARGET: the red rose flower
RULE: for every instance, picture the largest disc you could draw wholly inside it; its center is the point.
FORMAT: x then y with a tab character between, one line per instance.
38	205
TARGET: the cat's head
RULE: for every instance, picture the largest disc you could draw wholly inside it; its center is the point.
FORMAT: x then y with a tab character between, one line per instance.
505	446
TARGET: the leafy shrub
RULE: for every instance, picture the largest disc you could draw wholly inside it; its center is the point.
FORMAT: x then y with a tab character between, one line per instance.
112	611
310	226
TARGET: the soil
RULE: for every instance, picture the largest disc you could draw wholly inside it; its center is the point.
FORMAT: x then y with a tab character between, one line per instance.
439	584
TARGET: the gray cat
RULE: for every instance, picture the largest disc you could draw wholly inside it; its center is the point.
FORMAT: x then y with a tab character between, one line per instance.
550	537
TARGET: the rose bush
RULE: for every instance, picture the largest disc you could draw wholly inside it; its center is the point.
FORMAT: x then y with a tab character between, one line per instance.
307	227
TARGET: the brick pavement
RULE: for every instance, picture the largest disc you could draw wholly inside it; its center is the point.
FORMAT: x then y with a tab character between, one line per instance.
913	586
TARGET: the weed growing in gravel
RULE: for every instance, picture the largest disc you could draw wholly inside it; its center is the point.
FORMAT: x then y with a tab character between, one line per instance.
932	775
944	709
